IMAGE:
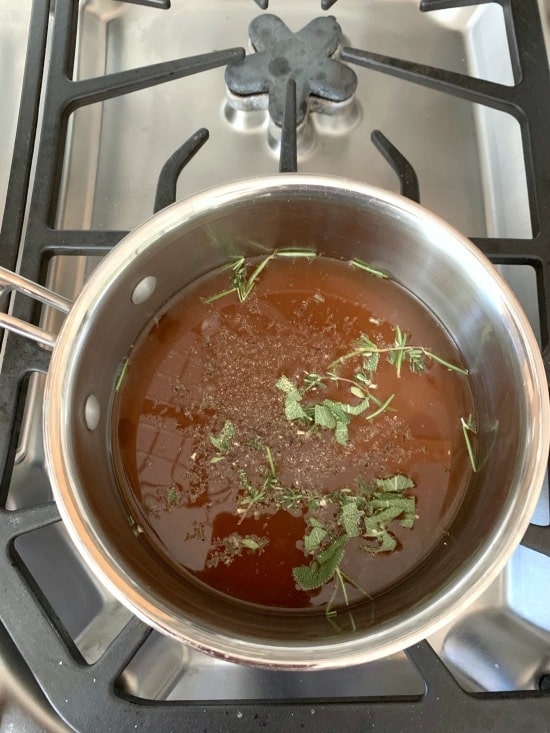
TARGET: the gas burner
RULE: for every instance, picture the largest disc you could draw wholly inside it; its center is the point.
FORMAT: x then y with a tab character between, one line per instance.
323	83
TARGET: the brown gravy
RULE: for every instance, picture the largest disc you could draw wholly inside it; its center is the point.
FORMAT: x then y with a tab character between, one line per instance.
199	365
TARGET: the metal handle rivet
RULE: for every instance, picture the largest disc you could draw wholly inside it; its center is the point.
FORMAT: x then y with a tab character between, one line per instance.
144	289
92	412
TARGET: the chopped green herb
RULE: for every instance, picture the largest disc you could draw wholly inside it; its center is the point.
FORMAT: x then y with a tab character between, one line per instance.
364	514
327	414
250	543
172	495
217	459
255	443
222	442
226	550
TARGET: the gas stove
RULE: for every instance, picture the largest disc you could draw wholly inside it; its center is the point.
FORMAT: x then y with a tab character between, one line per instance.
447	102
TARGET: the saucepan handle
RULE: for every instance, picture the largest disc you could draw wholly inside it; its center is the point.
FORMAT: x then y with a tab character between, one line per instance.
10	281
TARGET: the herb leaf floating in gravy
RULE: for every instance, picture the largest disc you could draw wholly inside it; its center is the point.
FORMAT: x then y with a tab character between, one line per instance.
319	448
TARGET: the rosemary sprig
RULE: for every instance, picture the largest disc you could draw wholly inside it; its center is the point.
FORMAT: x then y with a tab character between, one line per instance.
121	374
362	265
257	495
296	252
384	406
396	354
242	282
245	288
223	293
468	427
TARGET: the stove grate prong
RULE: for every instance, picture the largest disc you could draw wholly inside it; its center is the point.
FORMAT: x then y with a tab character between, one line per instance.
427	6
160	4
407	175
168	178
98	89
479	91
288	162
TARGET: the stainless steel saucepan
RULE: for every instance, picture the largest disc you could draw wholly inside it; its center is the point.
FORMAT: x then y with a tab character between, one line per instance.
338	218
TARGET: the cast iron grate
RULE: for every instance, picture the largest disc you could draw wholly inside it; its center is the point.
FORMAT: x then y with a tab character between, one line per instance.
85	695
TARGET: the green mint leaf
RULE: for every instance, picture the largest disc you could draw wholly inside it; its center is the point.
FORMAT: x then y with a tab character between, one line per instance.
391	501
338	410
293	408
408	521
285	384
324	416
341	432
359	409
320	571
387	515
333	554
314	539
388	543
308	577
350	516
315	523
395	483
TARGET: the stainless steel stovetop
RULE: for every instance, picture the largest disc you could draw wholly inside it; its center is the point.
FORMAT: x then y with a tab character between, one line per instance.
470	167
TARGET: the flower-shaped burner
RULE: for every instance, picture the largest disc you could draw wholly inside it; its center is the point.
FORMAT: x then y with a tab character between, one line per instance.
259	81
